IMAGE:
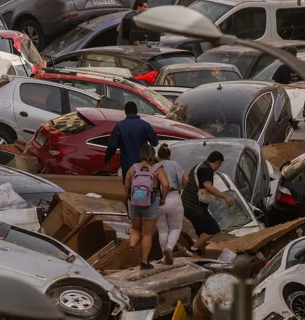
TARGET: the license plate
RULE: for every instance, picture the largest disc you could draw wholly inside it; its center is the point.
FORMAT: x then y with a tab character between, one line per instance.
41	139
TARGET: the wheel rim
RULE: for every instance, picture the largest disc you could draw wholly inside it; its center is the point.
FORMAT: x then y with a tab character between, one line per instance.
33	34
2	141
298	306
76	299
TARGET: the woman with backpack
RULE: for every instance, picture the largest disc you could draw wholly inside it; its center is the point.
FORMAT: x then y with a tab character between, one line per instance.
142	186
171	214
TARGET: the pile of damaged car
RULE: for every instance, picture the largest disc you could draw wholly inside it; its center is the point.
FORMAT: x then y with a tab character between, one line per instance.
152	159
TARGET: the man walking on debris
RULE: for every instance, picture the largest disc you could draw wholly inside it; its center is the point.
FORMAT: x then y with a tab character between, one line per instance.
196	211
129	135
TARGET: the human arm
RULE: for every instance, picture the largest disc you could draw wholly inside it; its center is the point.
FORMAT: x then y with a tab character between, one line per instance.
161	176
118	28
114	142
185	180
151	136
215	192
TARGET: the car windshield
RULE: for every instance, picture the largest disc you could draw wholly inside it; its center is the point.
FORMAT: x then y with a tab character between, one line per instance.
173	58
295	248
67	42
33	199
241	61
35	243
162	101
230	218
194	79
212	10
29	52
267	73
218	129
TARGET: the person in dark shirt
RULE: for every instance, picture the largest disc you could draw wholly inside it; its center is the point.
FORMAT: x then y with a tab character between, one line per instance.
284	74
138	7
197	212
129	135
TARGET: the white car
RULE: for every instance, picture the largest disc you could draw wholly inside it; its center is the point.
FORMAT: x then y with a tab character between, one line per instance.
280	286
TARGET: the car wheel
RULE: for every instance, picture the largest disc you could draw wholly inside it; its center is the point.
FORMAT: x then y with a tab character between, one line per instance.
7	136
77	301
296	303
33	30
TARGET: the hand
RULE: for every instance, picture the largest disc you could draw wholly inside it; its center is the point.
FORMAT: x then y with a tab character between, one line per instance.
162	202
229	201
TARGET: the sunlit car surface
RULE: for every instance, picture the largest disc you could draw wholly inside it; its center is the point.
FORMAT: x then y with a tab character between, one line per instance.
247	109
193	75
76	143
248	61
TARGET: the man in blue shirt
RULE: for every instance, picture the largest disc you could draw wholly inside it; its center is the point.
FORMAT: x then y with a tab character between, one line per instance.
129	135
138	7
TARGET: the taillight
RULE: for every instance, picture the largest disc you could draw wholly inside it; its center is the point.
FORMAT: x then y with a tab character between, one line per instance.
61	150
70	16
284	195
150	77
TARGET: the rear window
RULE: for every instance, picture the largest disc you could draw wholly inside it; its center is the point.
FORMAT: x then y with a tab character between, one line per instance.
242	61
194	79
290	23
173	58
72	123
5	45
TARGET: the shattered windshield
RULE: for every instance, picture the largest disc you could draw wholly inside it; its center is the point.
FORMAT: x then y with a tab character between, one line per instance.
218	129
231	218
194	79
210	9
242	61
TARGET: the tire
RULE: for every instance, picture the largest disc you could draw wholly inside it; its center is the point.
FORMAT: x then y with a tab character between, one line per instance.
294	301
83	302
7	136
33	30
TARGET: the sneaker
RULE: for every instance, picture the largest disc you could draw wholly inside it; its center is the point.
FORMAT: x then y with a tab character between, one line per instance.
168	255
163	260
197	252
146	266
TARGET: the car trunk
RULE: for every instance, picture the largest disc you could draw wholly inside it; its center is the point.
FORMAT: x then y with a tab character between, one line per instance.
97	4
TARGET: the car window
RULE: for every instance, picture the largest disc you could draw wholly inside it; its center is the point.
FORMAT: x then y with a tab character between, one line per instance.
299	177
229	218
171	97
248	164
270	268
261	63
221	129
77	100
258	115
35	243
206	45
100	141
243	184
290	23
291	260
268	72
71	62
129	64
123	96
248	23
83	85
191	46
167	59
196	78
41	96
5	45
100	60
156	3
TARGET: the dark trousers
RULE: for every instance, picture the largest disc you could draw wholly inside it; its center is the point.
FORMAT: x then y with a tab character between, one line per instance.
124	172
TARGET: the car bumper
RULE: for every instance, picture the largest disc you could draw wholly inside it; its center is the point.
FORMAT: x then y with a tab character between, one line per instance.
61	23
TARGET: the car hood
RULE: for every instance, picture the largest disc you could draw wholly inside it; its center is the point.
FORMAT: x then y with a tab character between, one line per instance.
24	47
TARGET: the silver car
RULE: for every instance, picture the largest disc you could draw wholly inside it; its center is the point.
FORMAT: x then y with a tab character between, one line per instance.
71	283
26	103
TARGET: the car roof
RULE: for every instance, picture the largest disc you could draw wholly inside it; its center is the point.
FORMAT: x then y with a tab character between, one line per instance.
229	100
198	150
23	182
141	52
198	66
247	50
169	88
39	81
97	116
237	2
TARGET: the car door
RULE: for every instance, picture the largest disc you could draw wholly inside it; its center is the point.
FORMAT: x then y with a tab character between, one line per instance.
35	103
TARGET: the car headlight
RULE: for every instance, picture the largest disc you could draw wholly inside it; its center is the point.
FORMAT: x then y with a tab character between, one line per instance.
259	299
274	316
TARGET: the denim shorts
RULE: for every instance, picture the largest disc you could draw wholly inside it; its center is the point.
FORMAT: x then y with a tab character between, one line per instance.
150	212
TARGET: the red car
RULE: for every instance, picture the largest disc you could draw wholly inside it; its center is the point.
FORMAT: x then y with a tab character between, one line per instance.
115	88
76	143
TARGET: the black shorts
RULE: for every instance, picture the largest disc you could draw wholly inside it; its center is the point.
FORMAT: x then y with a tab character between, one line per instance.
202	221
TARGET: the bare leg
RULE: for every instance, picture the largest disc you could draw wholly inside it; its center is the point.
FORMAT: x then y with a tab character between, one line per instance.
148	230
135	233
202	240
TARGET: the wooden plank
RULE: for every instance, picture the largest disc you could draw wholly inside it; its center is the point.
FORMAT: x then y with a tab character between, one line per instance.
100	253
111	254
179	313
